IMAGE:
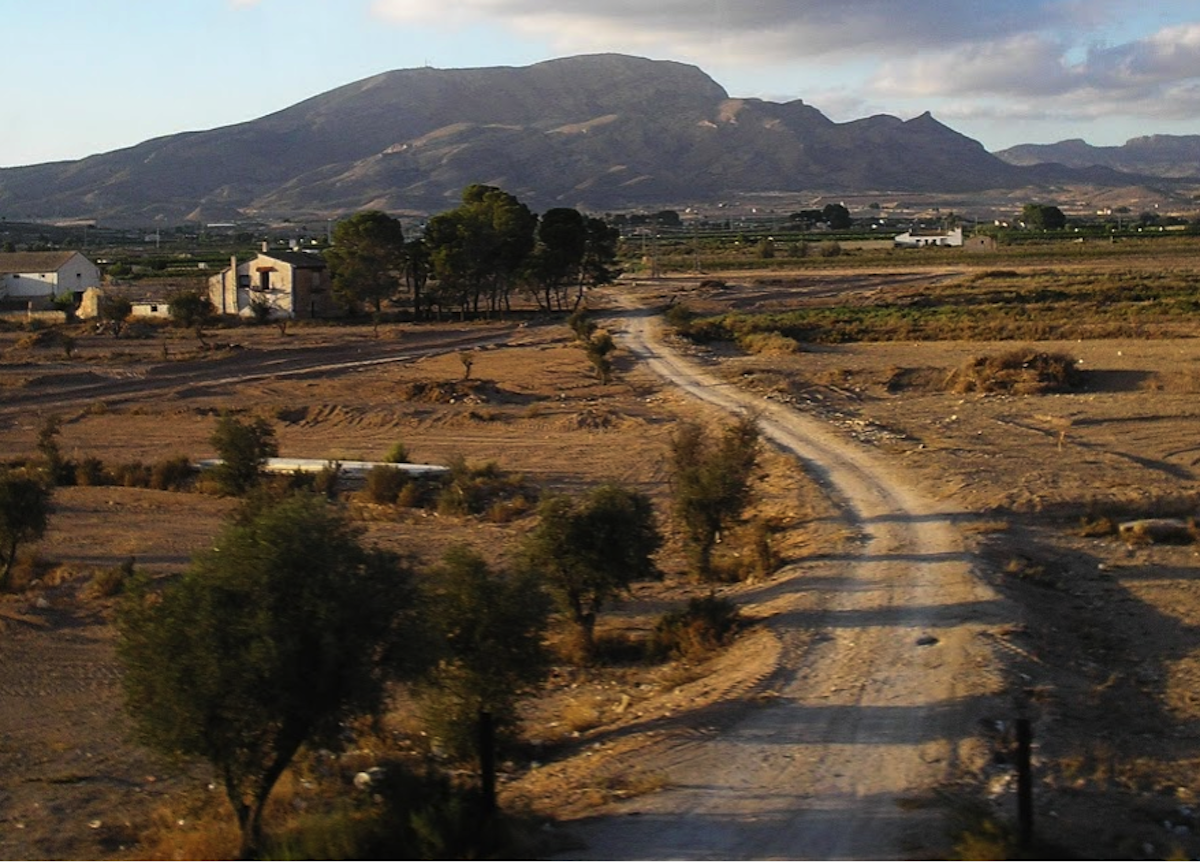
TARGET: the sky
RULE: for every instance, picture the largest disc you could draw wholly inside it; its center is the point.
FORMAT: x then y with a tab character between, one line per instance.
89	76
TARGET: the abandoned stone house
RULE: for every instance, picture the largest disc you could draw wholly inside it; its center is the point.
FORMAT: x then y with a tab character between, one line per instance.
288	284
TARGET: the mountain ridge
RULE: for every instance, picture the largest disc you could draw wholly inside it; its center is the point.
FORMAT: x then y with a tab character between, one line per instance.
598	132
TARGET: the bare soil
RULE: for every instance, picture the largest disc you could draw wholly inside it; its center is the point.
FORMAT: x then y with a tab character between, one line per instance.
1097	641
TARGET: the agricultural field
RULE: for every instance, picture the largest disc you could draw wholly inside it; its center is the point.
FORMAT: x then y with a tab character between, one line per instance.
1045	399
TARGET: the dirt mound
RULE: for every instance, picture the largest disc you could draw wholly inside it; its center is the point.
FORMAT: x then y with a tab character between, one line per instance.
469	392
594	419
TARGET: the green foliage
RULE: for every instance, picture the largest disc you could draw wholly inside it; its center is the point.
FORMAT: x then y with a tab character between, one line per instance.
711	484
581	324
25	509
598	347
573	253
836	216
398	453
704	625
590	550
475	489
1043	217
58	469
190	309
243	449
367	259
115	311
284	628
478	250
425	816
488	628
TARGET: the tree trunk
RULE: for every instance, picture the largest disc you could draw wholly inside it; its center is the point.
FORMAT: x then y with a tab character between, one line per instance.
487	761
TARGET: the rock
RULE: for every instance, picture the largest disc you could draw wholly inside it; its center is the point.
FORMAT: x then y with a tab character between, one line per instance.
927	640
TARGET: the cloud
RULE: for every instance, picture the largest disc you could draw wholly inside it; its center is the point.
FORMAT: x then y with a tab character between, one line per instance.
1157	76
1040	57
763	31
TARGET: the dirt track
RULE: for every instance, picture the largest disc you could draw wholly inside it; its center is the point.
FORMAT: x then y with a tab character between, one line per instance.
883	674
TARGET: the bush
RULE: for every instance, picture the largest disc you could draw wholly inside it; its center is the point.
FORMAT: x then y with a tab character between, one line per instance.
384	484
398	453
111	582
830	249
1022	371
90	471
133	474
472	490
172	475
703	626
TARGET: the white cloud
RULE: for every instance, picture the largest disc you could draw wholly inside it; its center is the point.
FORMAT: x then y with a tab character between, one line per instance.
1037	59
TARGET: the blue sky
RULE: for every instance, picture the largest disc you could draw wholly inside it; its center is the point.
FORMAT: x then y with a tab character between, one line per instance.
88	76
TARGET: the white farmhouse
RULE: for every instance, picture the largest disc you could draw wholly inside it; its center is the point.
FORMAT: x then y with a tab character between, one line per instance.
289	284
929	237
40	276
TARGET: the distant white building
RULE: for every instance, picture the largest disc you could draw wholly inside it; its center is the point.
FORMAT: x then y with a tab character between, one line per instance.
929	237
41	276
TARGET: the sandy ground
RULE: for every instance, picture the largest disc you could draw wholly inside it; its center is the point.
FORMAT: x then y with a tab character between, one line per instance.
833	731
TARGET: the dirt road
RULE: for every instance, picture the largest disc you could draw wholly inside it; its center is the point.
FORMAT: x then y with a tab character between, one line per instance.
885	676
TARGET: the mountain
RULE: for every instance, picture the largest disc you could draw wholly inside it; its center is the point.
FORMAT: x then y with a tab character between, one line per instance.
1175	156
598	132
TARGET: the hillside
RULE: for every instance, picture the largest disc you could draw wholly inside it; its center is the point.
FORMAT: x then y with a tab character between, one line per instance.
597	132
1156	155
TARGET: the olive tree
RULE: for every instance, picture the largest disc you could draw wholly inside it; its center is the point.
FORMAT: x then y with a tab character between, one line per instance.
590	550
243	449
487	629
710	479
281	630
24	514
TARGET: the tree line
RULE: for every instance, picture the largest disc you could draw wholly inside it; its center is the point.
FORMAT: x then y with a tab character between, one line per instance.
473	259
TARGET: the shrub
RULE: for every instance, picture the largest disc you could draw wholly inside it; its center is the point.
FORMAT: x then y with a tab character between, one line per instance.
704	625
472	490
384	484
90	471
581	325
830	249
328	480
172	475
1022	371
133	474
397	453
111	582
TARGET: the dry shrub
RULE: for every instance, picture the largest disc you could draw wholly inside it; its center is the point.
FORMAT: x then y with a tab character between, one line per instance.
172	475
1097	526
769	343
1022	371
694	632
133	474
90	471
580	716
112	581
384	484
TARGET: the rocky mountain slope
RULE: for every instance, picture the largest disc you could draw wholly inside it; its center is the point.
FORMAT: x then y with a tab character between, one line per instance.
597	132
1176	156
